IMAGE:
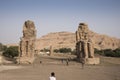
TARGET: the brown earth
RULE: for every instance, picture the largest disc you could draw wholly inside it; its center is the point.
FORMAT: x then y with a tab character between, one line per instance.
107	70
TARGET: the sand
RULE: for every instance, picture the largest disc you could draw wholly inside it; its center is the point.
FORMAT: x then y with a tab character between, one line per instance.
5	67
37	71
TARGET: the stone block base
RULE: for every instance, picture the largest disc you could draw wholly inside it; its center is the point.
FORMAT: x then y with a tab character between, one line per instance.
1	59
92	61
25	60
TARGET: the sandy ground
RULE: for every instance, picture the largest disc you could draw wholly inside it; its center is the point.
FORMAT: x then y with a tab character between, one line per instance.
5	67
37	71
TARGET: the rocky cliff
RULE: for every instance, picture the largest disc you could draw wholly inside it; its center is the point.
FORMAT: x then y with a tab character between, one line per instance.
68	40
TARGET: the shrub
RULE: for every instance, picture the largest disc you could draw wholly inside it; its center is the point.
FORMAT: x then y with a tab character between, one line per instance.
117	52
45	50
2	47
109	52
100	52
56	50
11	52
63	50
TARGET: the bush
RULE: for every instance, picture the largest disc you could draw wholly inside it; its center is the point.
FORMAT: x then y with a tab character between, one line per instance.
109	52
2	47
11	52
56	50
117	52
100	52
63	50
45	50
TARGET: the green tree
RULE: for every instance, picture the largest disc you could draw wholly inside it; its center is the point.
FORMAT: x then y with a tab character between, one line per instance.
100	52
11	52
63	50
56	50
109	52
2	47
117	52
44	50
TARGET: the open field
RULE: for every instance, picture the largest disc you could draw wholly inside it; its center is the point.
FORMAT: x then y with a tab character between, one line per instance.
107	70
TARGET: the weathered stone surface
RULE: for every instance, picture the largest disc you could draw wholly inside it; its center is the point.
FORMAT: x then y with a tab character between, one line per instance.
84	43
27	43
1	59
29	30
92	60
85	46
82	32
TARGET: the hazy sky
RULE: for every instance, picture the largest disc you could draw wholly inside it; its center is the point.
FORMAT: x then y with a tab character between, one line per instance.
102	16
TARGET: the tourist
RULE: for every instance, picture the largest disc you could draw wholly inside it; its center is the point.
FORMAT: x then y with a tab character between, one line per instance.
67	62
62	60
52	77
40	62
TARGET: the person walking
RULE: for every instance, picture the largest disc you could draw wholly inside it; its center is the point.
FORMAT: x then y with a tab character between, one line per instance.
52	77
67	62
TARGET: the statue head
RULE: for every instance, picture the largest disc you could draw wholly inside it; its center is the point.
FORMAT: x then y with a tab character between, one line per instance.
29	29
83	26
29	24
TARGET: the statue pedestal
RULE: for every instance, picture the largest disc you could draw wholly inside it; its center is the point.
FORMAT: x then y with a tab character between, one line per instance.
1	59
92	61
25	60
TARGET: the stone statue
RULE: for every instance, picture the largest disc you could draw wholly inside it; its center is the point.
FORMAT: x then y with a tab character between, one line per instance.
91	48
27	42
84	45
82	32
29	29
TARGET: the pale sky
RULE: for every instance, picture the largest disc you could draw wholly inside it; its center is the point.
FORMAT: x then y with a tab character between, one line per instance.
102	16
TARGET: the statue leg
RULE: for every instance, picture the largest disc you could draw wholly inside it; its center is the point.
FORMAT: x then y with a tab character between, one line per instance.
85	48
91	50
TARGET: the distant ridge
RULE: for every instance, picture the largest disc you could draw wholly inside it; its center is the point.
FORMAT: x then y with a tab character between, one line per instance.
12	44
68	40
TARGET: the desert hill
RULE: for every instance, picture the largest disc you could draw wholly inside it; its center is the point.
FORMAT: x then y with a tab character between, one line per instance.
12	44
56	40
68	40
